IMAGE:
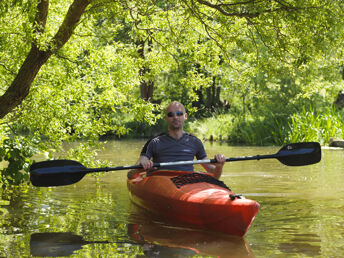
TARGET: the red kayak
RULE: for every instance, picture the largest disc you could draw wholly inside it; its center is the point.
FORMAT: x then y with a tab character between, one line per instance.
195	199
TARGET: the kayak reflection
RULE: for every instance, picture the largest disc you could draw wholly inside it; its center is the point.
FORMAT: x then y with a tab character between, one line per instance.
160	238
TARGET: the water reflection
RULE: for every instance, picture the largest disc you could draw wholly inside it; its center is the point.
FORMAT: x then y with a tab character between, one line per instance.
300	248
160	238
56	244
301	215
157	238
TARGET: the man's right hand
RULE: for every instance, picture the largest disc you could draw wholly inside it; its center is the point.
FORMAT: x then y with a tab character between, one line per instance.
145	163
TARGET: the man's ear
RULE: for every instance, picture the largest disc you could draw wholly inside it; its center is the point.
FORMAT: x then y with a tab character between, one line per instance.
185	116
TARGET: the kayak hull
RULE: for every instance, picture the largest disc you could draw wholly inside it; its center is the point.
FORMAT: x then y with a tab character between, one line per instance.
202	204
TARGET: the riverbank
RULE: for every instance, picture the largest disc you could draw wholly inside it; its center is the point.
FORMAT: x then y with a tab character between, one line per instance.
258	130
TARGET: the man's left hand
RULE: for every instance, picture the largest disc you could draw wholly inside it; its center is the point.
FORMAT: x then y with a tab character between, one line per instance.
220	158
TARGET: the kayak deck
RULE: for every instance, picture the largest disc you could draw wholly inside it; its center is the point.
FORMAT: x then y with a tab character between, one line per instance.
203	202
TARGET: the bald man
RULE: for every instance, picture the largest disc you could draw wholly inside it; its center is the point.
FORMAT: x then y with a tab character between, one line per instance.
177	145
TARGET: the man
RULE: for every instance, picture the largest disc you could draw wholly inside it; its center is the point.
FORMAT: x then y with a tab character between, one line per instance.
177	145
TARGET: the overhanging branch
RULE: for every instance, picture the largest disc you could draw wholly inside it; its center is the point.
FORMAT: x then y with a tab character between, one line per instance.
221	8
20	86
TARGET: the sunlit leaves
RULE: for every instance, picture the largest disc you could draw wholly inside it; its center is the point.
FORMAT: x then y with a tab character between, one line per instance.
264	56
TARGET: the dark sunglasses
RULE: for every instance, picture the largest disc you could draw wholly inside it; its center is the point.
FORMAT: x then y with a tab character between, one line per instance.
178	113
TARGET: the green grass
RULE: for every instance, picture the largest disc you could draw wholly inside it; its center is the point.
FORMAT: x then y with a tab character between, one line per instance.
217	128
234	129
272	129
310	125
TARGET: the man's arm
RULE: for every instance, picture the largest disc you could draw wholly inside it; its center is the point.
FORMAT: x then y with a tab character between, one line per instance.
215	168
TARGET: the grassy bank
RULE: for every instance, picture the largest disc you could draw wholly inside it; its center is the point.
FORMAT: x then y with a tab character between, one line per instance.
306	125
234	129
272	129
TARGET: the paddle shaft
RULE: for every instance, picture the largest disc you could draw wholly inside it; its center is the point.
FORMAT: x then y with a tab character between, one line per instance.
64	172
207	161
166	164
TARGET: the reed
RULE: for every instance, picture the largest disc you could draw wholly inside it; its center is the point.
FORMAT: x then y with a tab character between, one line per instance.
311	125
272	129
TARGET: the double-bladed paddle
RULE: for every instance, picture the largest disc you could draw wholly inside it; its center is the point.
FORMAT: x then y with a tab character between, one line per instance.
66	172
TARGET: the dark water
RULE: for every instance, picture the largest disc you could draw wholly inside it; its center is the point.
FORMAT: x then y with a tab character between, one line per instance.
301	215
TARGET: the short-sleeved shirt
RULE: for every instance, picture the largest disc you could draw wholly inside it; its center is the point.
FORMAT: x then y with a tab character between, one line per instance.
165	148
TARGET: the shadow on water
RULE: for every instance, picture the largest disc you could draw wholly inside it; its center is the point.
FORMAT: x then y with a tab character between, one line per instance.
156	237
303	244
55	244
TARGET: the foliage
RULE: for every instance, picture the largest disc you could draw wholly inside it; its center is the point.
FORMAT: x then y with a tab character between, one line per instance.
217	128
267	60
16	154
259	130
313	125
308	124
81	93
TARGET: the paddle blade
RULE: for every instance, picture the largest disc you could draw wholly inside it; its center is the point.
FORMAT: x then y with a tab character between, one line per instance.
300	154
56	172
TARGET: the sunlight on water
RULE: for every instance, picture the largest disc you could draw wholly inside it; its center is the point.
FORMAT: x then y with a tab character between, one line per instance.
301	215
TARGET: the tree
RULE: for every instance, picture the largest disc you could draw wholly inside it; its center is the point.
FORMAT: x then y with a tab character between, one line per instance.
271	22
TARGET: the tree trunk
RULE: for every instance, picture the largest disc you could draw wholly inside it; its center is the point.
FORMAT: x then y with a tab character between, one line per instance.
200	102
21	84
146	87
213	95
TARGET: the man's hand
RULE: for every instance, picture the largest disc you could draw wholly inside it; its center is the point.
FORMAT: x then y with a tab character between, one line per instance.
220	158
215	168
145	163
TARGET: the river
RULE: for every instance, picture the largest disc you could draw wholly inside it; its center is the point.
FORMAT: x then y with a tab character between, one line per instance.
301	214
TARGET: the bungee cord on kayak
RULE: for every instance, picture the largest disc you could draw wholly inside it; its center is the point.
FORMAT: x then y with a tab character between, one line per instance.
194	178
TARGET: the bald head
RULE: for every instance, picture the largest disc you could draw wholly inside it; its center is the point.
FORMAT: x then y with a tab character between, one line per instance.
175	116
175	105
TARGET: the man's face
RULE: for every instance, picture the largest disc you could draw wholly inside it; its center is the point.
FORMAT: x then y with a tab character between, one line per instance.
175	117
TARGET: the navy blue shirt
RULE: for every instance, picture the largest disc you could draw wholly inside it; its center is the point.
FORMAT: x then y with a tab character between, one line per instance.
165	148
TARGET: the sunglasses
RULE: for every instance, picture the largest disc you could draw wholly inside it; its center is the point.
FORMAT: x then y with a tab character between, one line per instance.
178	113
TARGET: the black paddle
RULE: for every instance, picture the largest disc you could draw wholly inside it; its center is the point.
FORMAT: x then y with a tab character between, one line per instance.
66	172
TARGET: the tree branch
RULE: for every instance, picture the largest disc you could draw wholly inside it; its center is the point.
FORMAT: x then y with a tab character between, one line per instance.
7	69
219	7
70	22
222	8
41	16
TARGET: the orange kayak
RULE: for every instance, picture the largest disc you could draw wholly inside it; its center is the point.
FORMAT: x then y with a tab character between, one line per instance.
195	199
